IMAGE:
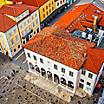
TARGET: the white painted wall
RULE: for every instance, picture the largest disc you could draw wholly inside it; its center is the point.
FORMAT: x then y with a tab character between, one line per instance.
59	2
100	72
49	66
87	88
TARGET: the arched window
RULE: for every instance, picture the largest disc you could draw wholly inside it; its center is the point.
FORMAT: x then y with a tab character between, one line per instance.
70	84
49	74
31	65
56	78
63	81
43	72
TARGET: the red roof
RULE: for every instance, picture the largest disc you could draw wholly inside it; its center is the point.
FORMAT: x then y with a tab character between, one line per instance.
81	16
59	46
13	10
31	8
6	23
36	3
95	59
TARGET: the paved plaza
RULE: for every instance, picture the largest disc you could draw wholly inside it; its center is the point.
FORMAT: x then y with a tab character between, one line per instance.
17	87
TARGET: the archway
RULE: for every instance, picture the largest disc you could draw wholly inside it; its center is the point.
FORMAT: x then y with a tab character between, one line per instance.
56	78
49	75
43	72
31	65
37	69
63	81
70	84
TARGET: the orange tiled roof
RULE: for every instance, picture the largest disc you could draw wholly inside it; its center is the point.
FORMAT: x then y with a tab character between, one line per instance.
79	17
5	23
36	3
59	46
31	8
13	10
95	59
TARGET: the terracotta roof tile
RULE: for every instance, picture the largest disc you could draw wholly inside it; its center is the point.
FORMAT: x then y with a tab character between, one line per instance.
80	16
59	46
4	21
13	10
36	3
95	59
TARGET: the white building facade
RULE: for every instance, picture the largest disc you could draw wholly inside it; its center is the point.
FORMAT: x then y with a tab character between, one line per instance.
65	76
88	80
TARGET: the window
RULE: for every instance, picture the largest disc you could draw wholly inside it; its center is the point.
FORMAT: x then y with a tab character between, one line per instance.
58	4
52	8
34	32
46	7
49	5
43	9
81	80
35	14
88	83
33	25
15	31
12	41
28	21
23	15
70	73
18	46
37	30
20	26
34	57
28	55
10	34
43	15
63	70
47	12
17	38
14	50
90	75
22	33
52	2
24	23
41	60
55	67
36	21
83	72
23	42
32	17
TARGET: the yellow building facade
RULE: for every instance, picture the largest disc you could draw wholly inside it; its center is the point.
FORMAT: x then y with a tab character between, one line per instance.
28	22
14	41
10	43
46	9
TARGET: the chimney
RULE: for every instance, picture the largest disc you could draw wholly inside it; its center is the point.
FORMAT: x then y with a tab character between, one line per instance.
85	54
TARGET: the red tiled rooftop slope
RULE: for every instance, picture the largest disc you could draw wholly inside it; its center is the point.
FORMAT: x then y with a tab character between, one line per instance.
59	46
95	59
80	16
36	3
13	10
6	23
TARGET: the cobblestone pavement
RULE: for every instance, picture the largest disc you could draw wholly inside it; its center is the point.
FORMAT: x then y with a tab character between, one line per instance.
14	89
